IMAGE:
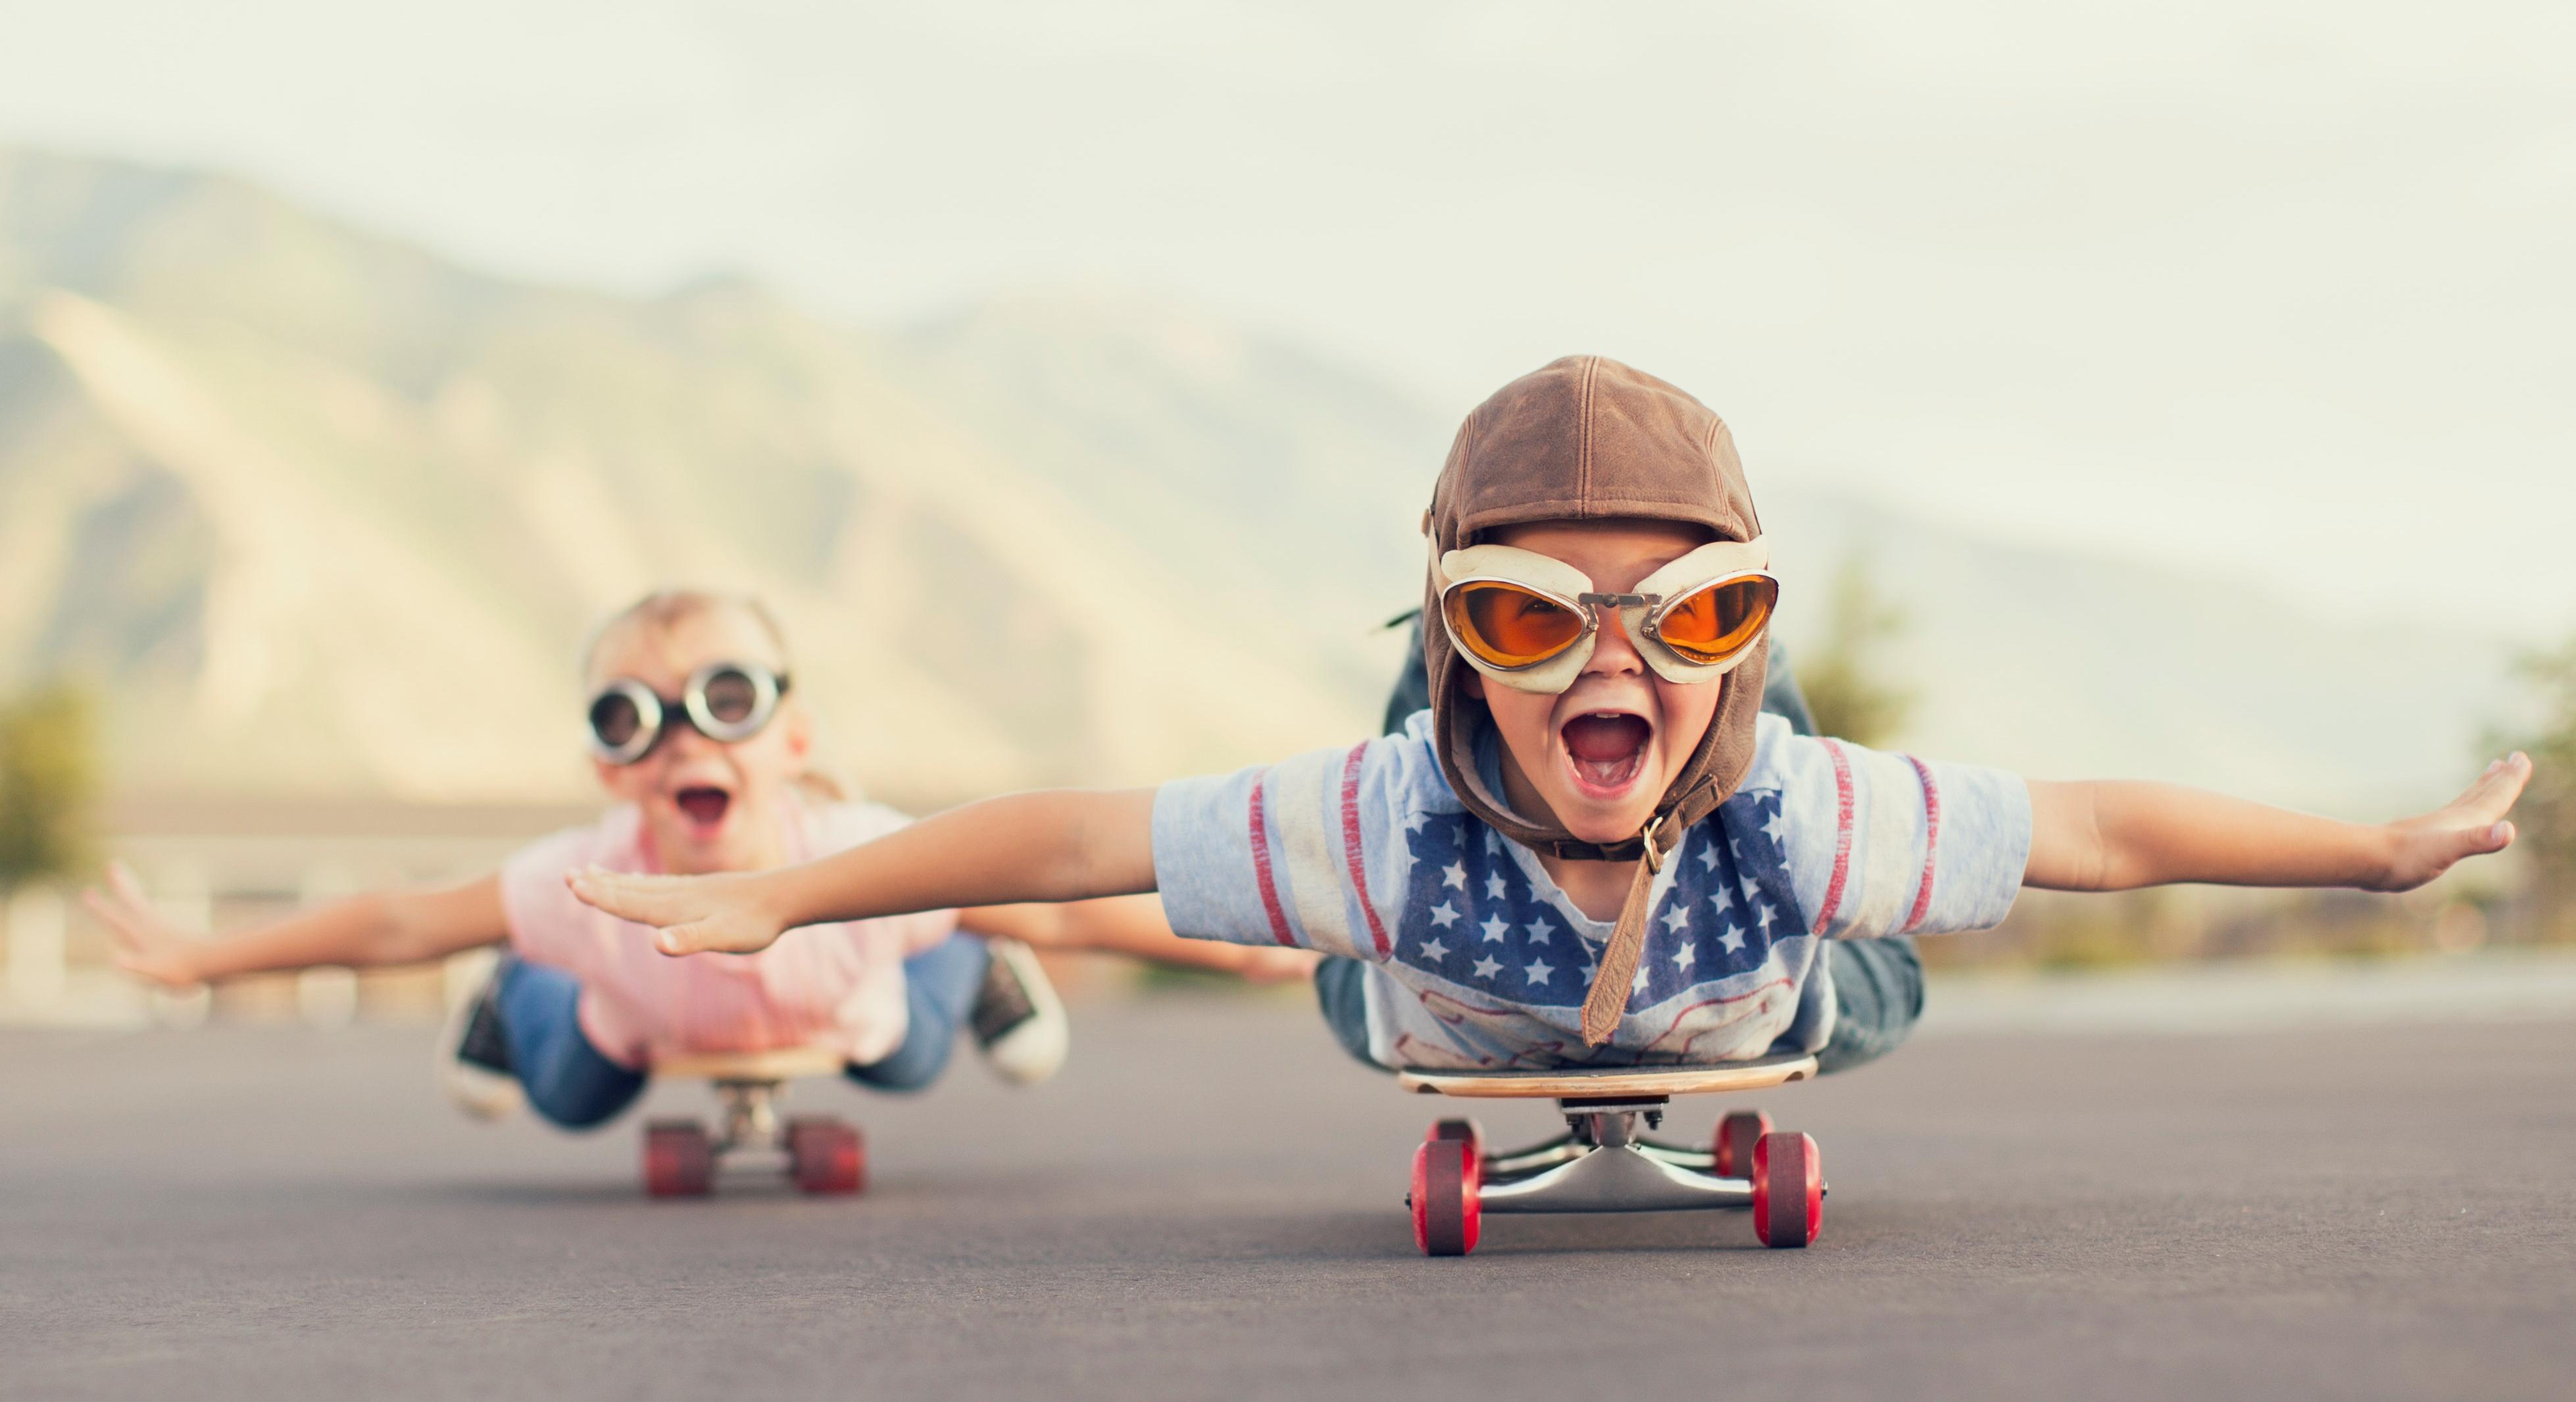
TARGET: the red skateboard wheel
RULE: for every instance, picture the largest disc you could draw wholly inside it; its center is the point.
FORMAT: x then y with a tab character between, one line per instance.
1732	1145
1466	1132
826	1156
1445	1209
679	1159
1788	1189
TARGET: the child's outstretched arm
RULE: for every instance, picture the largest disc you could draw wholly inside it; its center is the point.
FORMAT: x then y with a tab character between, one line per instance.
1056	845
386	927
2114	836
1136	927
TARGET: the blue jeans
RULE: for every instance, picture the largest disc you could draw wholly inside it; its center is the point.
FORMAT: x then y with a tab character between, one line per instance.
1878	994
571	1084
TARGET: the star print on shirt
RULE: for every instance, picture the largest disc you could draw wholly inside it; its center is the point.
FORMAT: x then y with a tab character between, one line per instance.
1488	966
1677	917
1494	886
1685	956
1732	940
1638	984
1434	950
1494	928
1539	931
1538	971
1708	855
1415	821
1445	915
1455	875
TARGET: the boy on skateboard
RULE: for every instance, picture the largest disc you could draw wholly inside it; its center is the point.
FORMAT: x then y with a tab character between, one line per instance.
1591	848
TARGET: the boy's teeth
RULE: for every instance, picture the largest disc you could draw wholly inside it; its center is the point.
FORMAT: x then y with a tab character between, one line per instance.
1606	748
1606	737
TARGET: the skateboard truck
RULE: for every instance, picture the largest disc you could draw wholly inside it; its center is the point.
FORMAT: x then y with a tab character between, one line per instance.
1602	1163
823	1155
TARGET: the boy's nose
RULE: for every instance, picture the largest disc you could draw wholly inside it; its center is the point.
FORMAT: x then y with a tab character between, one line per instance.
682	740
1613	652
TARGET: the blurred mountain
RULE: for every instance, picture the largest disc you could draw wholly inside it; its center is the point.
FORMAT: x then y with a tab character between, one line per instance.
326	514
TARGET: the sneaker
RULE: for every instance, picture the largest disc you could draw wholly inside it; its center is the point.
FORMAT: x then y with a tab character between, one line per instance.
474	1054
1019	1022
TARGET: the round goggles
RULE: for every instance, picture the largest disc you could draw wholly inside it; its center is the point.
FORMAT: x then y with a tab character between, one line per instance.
724	701
1529	621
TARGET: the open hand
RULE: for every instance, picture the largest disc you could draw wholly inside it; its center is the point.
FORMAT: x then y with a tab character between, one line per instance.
148	945
720	912
2468	826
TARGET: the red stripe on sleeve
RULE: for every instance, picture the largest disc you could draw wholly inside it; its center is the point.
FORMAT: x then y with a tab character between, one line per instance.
1261	866
1931	842
1351	855
1842	836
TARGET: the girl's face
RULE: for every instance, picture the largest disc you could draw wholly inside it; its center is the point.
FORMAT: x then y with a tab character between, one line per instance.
1600	755
707	805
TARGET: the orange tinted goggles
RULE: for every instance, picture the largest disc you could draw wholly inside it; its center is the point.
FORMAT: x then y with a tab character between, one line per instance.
1514	625
1530	620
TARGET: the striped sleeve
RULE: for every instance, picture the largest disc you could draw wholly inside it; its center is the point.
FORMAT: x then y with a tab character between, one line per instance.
1294	853
1886	844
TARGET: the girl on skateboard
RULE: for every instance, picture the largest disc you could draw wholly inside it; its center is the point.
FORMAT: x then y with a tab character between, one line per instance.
698	736
1591	848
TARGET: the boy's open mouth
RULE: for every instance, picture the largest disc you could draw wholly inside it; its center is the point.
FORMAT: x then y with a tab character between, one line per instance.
1606	750
704	806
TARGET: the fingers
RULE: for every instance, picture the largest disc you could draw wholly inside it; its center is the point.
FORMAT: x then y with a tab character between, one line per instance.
706	937
646	900
129	888
2494	793
117	918
2464	844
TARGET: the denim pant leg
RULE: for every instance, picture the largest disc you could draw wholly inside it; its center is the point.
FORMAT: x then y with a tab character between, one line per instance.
940	984
567	1080
1878	994
1339	991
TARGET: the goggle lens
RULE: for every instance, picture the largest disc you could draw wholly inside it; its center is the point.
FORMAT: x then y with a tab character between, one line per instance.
731	697
614	720
1719	621
1509	626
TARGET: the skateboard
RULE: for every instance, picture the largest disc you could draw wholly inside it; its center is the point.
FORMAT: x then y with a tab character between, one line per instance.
1603	1164
820	1154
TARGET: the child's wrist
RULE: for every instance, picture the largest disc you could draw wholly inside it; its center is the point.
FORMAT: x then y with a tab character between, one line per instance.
2384	841
781	904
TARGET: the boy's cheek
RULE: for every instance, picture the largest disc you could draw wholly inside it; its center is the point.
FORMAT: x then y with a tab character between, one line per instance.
625	783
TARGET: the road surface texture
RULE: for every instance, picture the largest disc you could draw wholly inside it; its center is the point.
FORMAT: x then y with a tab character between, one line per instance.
1206	1204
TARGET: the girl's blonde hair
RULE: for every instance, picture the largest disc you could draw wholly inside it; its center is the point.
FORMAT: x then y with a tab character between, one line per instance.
665	609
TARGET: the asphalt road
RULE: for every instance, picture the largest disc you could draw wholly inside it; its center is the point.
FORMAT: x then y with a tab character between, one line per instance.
1207	1204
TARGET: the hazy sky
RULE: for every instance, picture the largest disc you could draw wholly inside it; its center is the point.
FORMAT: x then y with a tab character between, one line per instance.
2279	290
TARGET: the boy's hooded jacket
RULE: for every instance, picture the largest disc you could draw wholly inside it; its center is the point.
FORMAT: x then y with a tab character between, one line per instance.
1587	438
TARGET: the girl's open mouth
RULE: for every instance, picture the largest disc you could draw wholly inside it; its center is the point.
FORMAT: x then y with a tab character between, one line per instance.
1607	751
704	807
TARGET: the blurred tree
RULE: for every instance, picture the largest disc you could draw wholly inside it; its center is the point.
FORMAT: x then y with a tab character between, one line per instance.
1842	675
48	778
2545	819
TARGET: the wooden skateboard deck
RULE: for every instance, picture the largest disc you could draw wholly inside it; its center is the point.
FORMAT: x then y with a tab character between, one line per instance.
1581	1083
783	1064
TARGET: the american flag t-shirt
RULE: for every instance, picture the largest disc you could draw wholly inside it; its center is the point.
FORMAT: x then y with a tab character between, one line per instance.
1481	961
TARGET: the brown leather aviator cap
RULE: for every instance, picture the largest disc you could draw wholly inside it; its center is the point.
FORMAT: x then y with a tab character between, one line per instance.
1587	438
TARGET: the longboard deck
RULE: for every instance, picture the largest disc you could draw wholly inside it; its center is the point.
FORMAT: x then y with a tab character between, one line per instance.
783	1064
1579	1083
